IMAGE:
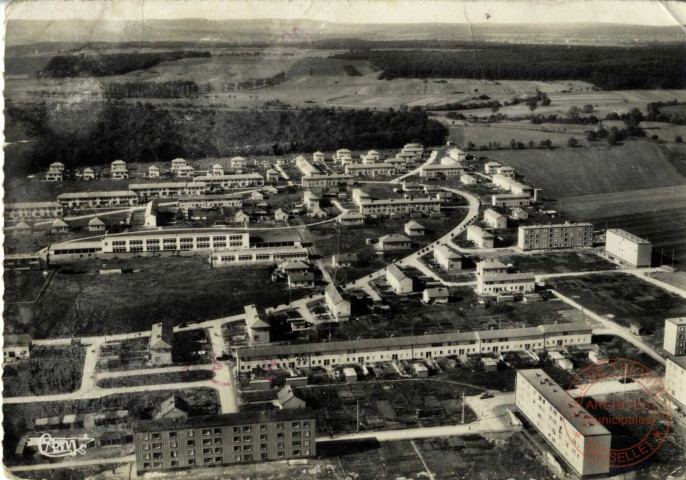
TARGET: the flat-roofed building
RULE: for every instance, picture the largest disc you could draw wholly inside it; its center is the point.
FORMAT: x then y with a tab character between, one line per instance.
398	281
324	181
238	180
226	439
563	235
628	247
494	219
568	427
230	200
675	336
436	170
176	240
675	379
14	211
370	169
399	205
510	200
448	259
480	237
257	325
337	302
388	349
167	189
511	185
92	200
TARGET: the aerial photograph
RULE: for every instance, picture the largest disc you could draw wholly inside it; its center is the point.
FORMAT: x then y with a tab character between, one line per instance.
344	240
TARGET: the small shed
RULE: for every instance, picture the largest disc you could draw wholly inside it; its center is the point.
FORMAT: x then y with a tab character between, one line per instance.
490	364
349	375
419	370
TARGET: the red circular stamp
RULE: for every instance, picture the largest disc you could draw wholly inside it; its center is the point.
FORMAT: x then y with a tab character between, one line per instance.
618	413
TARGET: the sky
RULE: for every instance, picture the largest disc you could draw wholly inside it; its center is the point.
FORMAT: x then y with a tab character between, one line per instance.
362	11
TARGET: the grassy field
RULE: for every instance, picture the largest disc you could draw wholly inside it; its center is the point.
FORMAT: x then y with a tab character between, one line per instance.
155	379
503	132
626	297
22	286
594	170
171	290
558	262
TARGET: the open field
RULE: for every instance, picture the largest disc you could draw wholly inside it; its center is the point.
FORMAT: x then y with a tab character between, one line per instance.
592	170
503	132
22	286
172	290
625	297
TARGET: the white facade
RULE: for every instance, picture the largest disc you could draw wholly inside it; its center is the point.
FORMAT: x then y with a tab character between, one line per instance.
176	164
399	205
398	281
88	200
628	248
494	219
338	305
150	217
581	441
366	351
675	379
323	181
33	210
493	278
431	171
511	185
468	179
510	200
305	167
370	169
167	189
675	336
448	259
238	163
480	237
491	167
210	201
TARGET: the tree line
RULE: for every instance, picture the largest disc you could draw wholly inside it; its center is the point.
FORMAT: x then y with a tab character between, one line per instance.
83	65
610	68
142	132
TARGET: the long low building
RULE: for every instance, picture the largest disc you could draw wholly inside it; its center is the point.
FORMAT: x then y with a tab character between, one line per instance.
232	200
399	205
511	200
240	180
435	170
327	354
323	181
233	257
167	189
562	235
226	439
568	427
511	185
14	211
171	242
92	200
370	169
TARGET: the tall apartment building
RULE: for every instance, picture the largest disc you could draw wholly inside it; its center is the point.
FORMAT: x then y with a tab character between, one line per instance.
675	336
563	235
675	379
574	434
628	248
228	439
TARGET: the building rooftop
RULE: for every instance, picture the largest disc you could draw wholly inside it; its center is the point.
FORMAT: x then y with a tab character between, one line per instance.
399	201
628	236
412	225
489	212
395	272
95	221
394	237
480	231
565	404
437	292
111	193
227	419
447	252
679	361
677	320
33	205
139	186
255	318
161	336
335	293
556	225
495	277
237	176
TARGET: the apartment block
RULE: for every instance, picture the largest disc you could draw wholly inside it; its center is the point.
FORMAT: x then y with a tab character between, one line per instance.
565	235
675	379
628	248
228	439
575	435
675	336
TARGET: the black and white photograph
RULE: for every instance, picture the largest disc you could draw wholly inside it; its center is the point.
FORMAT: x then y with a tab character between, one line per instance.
344	240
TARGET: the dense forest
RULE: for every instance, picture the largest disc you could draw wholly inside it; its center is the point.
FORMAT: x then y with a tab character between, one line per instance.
143	132
610	68
82	65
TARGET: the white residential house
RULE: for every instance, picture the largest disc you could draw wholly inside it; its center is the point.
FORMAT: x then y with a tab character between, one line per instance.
448	259
257	325
55	172
494	219
176	164
344	260
491	167
337	303
16	348
217	169
119	170
398	281
238	163
480	237
280	215
467	179
272	176
506	171
59	226
287	399
394	241
88	174
185	172
493	278
160	344
436	295
351	218
414	229
153	172
96	225
318	157
519	213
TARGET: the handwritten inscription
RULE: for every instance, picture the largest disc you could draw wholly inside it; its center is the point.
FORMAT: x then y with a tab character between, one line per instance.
60	446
